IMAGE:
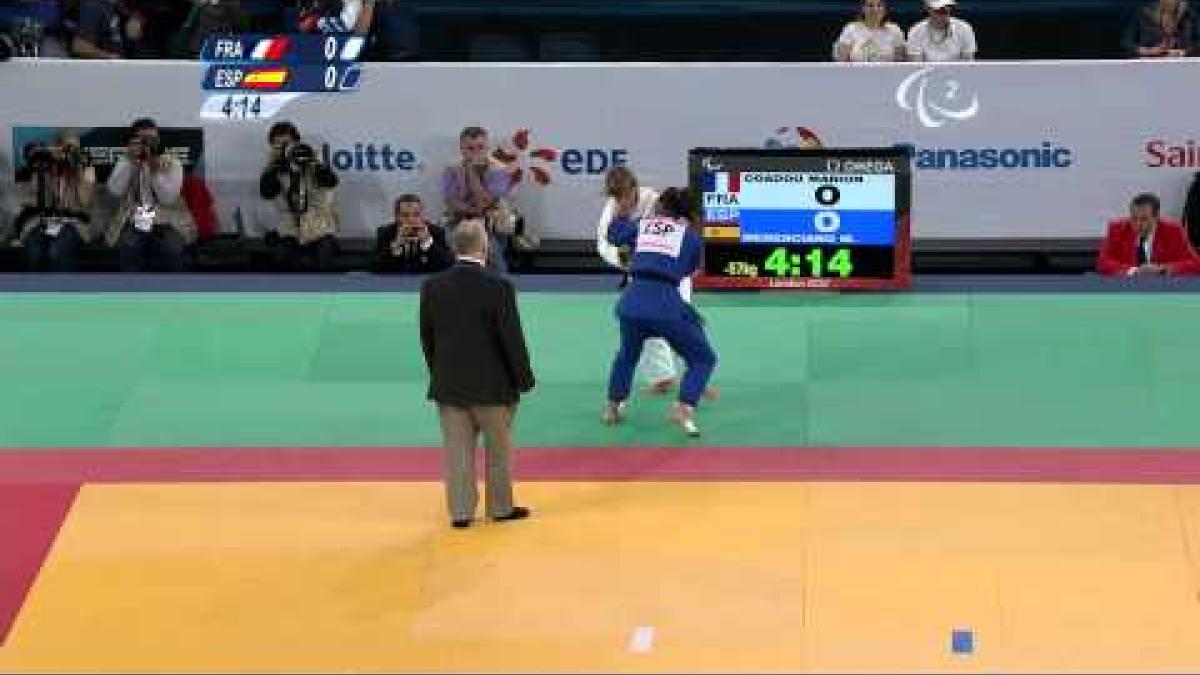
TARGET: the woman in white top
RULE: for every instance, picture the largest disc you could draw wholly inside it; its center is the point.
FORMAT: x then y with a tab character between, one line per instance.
871	37
658	362
941	37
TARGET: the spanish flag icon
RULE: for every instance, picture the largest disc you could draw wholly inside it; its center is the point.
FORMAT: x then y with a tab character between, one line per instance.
265	78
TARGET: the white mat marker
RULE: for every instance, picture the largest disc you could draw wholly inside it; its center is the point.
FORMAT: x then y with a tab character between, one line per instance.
642	639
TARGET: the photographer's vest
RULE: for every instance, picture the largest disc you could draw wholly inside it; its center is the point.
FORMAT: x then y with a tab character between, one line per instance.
316	206
169	209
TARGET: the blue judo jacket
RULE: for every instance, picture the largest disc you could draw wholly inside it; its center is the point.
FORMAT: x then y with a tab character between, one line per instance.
664	251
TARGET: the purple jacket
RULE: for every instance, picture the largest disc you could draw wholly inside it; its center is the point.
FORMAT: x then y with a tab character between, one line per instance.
497	182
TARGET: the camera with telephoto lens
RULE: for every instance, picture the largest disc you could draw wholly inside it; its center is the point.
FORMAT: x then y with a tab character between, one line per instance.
299	155
39	157
151	147
74	157
145	148
412	234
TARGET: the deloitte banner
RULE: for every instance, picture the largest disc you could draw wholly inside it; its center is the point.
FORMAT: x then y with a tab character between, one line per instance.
1000	150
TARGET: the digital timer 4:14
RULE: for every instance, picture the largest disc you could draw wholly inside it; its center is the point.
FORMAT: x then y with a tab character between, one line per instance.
784	263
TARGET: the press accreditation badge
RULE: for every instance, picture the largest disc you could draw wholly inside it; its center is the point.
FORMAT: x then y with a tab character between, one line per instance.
143	218
660	235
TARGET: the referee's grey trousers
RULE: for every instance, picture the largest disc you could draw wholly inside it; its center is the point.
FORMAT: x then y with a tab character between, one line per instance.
461	428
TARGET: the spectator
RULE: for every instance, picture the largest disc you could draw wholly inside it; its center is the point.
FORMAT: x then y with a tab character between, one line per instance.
1145	245
941	37
206	17
478	186
411	243
109	29
336	16
152	225
160	23
32	28
396	35
870	37
303	190
54	221
264	16
1163	28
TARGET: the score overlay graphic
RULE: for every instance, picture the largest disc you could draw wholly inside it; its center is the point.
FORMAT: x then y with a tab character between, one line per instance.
252	77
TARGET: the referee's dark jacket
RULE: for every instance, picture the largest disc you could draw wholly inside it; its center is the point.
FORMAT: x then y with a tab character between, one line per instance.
472	338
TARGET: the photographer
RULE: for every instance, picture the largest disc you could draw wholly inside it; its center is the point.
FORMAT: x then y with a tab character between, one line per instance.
479	186
303	191
152	224
411	244
60	184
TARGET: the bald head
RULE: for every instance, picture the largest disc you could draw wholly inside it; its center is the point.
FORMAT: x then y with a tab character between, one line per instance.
470	238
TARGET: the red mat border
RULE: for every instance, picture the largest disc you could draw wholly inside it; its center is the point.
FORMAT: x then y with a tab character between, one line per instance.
30	519
185	465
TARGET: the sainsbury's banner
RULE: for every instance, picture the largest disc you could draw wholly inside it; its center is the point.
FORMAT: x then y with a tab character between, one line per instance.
1000	149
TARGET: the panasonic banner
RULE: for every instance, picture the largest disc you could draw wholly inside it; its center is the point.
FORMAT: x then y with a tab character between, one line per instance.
1025	150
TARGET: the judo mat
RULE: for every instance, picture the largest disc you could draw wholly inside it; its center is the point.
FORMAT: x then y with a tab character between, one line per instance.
938	481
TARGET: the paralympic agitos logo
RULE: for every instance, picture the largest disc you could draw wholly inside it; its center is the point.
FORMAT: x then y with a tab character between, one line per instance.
936	100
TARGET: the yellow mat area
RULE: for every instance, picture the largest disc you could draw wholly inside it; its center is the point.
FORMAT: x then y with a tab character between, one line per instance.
637	577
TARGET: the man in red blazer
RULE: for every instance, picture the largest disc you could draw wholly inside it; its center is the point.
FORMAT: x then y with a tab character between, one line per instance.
1143	244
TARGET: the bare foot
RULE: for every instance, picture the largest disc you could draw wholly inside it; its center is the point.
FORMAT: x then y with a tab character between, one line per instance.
684	416
613	413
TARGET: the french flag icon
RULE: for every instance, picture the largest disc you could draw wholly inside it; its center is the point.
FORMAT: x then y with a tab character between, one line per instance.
270	49
725	182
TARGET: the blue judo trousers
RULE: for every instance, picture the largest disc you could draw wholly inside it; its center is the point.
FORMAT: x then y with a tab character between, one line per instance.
664	251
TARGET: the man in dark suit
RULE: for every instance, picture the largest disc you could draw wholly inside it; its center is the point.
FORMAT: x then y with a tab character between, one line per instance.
1145	244
478	368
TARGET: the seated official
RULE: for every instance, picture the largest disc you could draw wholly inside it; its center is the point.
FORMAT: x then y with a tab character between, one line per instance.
411	244
1145	245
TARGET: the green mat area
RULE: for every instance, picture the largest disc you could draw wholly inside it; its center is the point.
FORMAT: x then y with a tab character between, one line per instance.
824	370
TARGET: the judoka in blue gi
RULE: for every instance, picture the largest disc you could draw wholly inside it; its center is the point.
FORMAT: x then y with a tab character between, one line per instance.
665	248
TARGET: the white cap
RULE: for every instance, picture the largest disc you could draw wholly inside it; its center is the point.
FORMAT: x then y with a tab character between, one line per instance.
939	4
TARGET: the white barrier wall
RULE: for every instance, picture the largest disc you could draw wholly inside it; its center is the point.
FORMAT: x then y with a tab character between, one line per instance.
1003	150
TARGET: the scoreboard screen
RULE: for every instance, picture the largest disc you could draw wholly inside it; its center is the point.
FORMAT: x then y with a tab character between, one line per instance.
803	218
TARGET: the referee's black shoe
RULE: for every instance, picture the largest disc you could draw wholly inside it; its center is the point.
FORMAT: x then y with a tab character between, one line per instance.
518	513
